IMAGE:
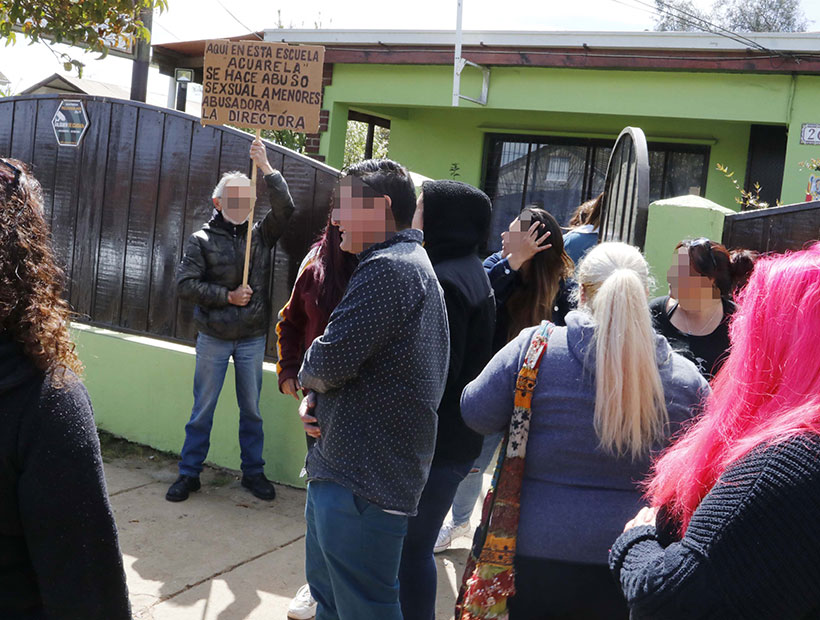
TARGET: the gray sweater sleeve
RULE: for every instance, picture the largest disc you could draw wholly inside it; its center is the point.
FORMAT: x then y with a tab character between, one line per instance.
487	401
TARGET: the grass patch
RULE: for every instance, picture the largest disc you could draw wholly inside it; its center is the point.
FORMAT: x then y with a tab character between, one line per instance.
113	447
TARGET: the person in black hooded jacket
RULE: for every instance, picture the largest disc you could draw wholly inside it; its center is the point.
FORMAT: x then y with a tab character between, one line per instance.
455	219
59	553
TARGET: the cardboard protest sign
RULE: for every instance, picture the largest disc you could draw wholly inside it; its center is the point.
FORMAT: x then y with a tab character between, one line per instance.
262	85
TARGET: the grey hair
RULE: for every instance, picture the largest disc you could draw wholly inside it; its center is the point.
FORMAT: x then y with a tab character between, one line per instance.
228	176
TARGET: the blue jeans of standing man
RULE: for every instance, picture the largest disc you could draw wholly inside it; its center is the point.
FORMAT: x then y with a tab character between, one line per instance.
212	355
352	550
470	488
417	574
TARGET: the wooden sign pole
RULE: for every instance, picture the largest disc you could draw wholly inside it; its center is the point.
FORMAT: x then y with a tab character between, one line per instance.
250	220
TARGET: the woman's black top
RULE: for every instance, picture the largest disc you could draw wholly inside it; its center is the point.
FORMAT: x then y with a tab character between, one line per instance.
59	554
751	551
707	352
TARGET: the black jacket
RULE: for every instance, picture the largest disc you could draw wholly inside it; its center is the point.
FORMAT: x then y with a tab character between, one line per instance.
456	223
59	554
212	264
750	552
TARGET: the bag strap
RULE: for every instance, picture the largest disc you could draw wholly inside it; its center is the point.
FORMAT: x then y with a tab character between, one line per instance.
502	527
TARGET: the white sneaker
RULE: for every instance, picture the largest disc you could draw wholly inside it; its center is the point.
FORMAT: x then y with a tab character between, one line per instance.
448	533
303	605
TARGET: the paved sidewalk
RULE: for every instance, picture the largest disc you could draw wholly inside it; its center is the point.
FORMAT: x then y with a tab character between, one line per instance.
222	554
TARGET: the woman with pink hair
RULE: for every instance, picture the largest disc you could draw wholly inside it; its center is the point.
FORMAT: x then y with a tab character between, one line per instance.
737	497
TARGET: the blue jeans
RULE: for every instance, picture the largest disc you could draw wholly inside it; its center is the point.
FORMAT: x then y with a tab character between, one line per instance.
352	550
212	355
470	488
417	573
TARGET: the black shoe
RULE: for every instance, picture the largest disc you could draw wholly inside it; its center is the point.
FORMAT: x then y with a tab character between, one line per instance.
182	487
259	486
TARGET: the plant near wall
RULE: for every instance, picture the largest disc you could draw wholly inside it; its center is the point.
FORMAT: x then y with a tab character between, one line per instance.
454	170
747	200
355	141
97	25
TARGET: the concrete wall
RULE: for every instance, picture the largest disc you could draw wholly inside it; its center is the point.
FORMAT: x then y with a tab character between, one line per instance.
141	389
715	109
674	219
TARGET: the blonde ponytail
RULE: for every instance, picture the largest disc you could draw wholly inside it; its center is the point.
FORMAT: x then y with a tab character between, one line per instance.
630	409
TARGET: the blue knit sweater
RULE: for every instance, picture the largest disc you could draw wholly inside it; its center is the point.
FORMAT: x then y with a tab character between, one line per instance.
575	497
750	552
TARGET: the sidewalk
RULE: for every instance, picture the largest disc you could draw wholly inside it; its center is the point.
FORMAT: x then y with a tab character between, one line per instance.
222	554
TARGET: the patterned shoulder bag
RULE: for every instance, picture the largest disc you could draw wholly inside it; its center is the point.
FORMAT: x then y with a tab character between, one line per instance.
489	577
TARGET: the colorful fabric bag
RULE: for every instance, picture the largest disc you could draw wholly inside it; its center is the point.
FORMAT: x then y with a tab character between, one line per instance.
489	577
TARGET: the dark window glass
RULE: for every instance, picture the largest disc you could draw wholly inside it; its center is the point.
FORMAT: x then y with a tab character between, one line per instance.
558	174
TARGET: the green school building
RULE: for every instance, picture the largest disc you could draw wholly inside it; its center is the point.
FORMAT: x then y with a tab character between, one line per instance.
556	101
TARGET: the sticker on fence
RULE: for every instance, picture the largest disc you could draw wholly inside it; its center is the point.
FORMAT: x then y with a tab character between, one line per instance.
262	85
70	122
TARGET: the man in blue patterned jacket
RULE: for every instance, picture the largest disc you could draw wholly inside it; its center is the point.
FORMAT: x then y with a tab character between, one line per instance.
377	375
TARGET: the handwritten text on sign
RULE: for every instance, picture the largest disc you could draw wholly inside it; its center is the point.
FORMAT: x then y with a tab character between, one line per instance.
262	85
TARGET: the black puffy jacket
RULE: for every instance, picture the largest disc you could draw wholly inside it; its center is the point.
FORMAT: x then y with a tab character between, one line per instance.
212	264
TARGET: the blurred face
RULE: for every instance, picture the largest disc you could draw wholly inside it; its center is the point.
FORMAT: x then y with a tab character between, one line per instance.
236	200
693	290
363	216
513	238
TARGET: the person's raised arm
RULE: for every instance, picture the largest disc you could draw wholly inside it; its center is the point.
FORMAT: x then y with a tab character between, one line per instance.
370	314
281	202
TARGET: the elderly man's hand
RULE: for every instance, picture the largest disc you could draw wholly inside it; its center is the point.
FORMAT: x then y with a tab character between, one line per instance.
259	155
308	421
240	296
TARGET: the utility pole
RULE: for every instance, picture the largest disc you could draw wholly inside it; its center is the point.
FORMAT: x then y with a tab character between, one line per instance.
456	68
142	58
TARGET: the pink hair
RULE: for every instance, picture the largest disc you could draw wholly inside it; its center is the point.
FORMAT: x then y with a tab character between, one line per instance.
768	390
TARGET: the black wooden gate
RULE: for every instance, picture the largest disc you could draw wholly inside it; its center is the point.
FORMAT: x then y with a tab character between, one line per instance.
776	229
626	190
122	204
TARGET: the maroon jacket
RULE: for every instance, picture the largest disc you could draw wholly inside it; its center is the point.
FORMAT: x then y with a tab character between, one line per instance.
301	321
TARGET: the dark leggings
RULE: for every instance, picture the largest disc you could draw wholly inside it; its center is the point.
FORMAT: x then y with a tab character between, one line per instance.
553	590
417	572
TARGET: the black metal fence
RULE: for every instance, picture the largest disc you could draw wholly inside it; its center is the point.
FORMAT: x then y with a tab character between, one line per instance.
122	204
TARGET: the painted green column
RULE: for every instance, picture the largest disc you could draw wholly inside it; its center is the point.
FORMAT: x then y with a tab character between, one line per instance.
672	220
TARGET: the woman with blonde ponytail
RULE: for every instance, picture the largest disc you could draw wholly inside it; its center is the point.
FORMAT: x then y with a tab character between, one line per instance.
609	394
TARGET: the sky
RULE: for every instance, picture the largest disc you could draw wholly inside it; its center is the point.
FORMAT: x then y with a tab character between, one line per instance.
185	20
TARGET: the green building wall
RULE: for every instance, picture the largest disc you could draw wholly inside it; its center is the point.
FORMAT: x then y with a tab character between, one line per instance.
142	389
714	109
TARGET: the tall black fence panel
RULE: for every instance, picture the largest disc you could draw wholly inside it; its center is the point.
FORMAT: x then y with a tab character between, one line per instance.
122	203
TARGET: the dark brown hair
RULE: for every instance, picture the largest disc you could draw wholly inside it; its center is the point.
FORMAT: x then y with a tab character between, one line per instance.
729	271
588	213
32	310
542	274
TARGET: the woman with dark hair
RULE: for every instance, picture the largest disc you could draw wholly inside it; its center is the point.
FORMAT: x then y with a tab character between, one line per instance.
583	232
529	279
59	554
732	531
320	284
694	317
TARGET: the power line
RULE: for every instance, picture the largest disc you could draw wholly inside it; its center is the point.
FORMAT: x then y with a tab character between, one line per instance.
236	19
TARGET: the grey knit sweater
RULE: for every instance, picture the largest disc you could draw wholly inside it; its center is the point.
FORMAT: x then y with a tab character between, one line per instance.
575	497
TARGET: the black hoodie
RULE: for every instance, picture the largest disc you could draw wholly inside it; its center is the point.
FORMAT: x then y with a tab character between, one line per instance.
59	554
456	224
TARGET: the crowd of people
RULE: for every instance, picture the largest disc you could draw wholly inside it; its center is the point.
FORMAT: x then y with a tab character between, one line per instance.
656	458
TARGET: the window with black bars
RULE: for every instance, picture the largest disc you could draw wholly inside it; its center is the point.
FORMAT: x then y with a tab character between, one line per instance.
558	174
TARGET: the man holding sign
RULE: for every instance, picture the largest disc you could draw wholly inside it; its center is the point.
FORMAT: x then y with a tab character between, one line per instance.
232	316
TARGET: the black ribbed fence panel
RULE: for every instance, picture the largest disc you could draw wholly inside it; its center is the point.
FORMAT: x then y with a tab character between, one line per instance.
122	204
